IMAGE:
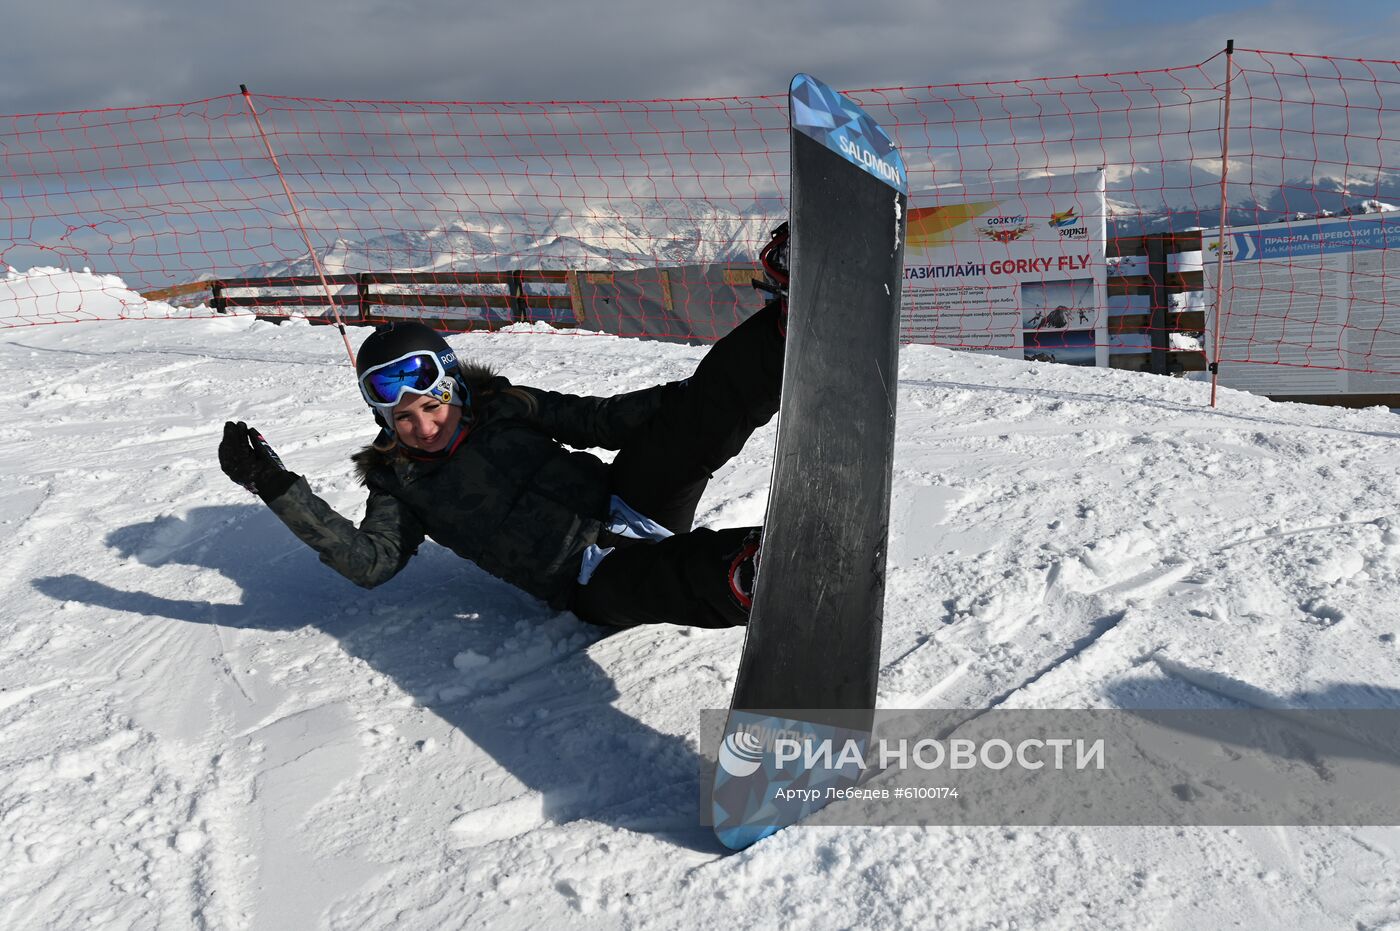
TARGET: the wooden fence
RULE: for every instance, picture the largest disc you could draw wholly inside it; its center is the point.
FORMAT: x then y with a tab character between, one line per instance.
1164	272
503	298
1160	274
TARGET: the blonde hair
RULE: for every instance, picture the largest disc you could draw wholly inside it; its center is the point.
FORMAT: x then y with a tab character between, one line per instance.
532	403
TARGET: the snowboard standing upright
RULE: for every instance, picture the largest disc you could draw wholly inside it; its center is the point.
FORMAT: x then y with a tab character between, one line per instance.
811	654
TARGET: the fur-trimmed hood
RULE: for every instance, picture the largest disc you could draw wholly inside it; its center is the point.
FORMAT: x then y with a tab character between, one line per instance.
482	381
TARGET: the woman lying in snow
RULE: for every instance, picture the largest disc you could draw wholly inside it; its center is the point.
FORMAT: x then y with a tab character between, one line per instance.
481	467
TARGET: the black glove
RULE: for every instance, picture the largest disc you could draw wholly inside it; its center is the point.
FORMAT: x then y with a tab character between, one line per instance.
246	458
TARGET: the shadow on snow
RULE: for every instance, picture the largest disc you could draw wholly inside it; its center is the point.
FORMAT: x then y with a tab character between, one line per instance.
540	706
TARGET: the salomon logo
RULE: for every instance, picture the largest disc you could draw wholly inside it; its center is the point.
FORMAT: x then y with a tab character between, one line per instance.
741	754
862	156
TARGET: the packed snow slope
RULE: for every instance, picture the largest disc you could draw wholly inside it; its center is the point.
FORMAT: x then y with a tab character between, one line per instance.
203	727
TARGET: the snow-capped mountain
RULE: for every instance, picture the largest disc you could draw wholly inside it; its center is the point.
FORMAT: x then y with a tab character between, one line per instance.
626	234
605	235
1189	197
1354	210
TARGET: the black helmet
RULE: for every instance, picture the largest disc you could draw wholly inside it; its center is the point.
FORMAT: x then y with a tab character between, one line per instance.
389	341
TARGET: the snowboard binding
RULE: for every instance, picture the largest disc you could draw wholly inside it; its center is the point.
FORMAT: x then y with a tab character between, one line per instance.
774	259
743	571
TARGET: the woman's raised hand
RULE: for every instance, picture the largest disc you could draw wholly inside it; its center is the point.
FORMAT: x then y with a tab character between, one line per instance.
247	458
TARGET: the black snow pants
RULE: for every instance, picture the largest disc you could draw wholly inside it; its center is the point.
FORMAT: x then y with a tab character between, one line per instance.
663	471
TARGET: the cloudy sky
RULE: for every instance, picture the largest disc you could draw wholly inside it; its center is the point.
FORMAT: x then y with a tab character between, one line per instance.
86	54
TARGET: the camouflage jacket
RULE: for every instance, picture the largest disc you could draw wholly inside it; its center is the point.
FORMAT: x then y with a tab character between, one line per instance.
511	498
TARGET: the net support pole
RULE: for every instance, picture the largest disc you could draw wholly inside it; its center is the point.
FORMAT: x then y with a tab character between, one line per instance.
296	216
1224	208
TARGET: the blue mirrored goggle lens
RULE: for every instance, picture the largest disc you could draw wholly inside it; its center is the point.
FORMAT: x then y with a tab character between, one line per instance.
386	384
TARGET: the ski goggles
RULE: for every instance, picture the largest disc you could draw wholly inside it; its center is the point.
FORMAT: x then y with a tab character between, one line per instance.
420	372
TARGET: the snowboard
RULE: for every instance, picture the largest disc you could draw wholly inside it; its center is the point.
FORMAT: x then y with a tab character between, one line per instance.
807	678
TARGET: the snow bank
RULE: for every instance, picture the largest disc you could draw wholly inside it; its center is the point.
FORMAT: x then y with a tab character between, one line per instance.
56	295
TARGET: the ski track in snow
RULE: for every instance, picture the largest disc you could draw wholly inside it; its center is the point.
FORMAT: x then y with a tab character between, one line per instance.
201	726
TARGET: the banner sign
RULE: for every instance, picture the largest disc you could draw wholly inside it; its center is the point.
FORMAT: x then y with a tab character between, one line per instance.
1307	311
1020	275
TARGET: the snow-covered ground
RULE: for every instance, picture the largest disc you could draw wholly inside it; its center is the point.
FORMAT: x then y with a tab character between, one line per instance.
202	727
